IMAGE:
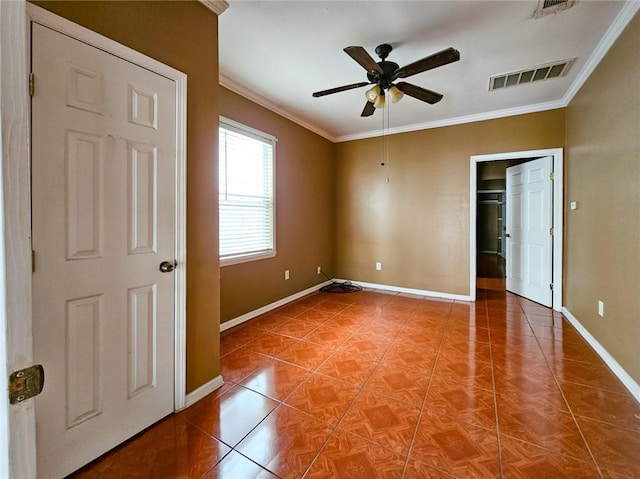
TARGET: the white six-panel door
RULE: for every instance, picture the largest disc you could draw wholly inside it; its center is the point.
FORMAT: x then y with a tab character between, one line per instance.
529	221
103	199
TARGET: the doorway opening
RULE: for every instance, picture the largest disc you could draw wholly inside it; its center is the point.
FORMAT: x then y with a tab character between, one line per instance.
487	207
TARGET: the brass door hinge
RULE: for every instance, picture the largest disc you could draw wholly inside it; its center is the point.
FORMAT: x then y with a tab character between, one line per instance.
33	261
552	176
32	84
551	231
26	383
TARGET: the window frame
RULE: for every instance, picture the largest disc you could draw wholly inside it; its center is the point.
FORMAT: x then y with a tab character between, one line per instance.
250	132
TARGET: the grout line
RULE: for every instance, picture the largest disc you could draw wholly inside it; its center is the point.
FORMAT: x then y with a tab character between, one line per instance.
495	392
569	408
426	394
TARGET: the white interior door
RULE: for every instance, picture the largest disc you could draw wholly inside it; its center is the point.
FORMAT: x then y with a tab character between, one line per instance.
103	200
529	222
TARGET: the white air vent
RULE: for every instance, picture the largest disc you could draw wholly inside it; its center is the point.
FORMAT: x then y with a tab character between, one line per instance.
547	7
529	75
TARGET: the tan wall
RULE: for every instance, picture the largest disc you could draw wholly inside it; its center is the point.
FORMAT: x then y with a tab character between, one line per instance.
417	224
304	213
602	260
183	35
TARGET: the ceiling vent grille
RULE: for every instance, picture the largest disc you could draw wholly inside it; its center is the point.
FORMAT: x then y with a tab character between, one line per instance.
529	75
547	7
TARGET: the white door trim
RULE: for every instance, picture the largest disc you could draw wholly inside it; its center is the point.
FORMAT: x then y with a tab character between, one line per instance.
14	23
558	218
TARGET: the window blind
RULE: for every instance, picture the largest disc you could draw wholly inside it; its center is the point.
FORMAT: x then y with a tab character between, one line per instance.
246	193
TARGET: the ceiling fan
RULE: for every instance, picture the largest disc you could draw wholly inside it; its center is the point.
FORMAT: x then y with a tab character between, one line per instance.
382	74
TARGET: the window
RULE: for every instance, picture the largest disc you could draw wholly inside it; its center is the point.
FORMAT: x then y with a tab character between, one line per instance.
246	202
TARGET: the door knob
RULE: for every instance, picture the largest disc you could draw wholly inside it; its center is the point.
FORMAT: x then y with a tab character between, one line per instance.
507	235
167	267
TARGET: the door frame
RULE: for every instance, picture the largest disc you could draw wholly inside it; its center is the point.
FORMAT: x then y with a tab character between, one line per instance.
16	120
558	217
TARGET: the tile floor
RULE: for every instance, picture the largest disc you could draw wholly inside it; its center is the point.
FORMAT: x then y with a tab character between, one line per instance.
378	385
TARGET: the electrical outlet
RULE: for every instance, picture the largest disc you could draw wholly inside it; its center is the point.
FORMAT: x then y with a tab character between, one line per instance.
319	270
378	266
600	308
286	274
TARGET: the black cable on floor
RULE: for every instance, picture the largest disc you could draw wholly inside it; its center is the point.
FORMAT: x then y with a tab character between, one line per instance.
340	287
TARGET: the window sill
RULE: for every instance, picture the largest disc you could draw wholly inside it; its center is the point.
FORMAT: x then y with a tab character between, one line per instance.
246	258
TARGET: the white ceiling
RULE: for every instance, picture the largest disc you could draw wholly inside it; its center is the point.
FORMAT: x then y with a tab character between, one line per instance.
279	52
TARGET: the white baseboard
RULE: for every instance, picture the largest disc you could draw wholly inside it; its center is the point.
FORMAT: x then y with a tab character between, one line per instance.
270	307
199	393
618	370
417	292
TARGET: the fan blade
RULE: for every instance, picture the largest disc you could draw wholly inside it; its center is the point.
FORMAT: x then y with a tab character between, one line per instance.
439	59
360	55
368	110
340	88
419	92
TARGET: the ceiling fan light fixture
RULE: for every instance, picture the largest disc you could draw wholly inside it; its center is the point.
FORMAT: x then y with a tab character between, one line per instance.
373	93
395	94
380	101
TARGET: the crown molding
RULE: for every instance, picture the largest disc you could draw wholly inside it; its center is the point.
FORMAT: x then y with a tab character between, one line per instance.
622	20
269	105
491	115
216	6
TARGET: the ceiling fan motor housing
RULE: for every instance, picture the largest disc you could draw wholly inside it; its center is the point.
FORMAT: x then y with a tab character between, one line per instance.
384	79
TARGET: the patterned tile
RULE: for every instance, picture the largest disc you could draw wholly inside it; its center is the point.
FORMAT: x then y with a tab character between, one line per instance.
347	456
399	383
349	367
234	466
236	337
619	410
276	380
367	346
595	375
293	309
348	321
398	350
232	415
387	422
329	336
171	448
614	449
464	332
428	341
323	397
241	363
297	328
330	306
305	354
459	449
546	320
526	461
269	321
417	470
406	356
468	373
315	316
550	429
270	342
469	350
472	405
286	442
558	351
565	333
